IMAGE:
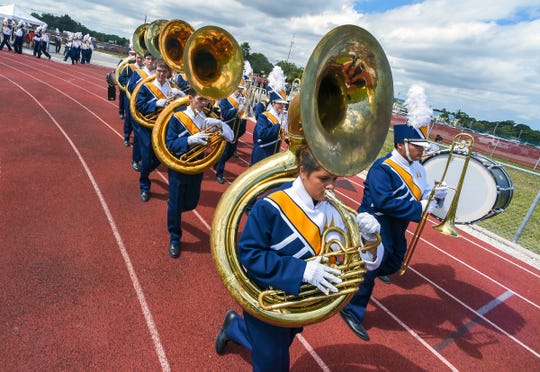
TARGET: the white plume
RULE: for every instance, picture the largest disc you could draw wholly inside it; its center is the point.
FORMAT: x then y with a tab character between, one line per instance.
277	79
418	111
247	68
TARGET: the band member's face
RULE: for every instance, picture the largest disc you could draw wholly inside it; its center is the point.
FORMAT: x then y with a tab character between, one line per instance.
415	151
149	62
198	102
278	107
162	74
139	59
317	182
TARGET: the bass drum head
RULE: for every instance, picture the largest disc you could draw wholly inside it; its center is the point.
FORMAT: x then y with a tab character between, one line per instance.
486	191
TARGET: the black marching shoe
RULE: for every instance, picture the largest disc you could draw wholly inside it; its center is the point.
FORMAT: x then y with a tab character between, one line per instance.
126	143
356	327
222	339
135	166
174	250
220	180
145	195
385	279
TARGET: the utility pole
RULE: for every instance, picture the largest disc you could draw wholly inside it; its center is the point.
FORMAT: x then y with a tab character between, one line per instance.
290	48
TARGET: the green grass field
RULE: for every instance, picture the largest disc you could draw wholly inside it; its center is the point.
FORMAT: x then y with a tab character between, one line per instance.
507	223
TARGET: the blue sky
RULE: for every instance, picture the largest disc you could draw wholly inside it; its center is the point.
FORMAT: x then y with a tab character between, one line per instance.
380	6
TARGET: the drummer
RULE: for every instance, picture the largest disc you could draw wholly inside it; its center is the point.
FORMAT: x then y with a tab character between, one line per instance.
396	192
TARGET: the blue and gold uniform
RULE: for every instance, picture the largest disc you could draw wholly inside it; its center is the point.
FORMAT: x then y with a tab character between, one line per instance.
282	230
231	110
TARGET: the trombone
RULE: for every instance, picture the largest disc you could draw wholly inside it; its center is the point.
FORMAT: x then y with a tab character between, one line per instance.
460	142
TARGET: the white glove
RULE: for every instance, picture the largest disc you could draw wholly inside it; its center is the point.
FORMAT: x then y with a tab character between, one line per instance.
241	107
162	102
441	191
431	207
210	122
177	92
368	225
321	276
199	138
241	100
371	263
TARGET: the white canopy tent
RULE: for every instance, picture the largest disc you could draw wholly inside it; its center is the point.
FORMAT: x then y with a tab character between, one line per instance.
14	12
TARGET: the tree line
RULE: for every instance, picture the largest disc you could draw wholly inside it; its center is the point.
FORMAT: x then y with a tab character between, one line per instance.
65	23
262	67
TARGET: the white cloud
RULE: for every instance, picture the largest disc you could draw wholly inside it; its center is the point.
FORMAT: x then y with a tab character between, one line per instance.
480	56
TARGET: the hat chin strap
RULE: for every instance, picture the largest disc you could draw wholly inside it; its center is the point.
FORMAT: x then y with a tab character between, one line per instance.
407	153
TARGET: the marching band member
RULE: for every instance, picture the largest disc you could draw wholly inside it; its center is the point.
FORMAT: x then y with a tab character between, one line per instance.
76	47
19	37
231	110
57	41
137	75
271	125
396	192
44	42
186	129
261	106
37	43
84	49
67	49
6	32
283	229
123	107
152	97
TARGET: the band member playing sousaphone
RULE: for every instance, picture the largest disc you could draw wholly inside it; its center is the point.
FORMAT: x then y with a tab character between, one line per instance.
186	130
124	77
281	232
139	71
231	109
152	97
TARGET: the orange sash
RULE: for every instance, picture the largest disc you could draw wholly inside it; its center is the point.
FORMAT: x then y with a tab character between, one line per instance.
307	228
158	93
187	121
406	177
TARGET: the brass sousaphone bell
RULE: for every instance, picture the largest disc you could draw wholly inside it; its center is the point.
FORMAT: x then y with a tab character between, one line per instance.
164	39
343	113
213	64
139	46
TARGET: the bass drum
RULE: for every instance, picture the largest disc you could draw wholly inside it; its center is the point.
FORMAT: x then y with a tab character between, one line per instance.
487	188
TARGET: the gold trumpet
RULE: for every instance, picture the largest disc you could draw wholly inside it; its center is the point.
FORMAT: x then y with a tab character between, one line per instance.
345	135
461	141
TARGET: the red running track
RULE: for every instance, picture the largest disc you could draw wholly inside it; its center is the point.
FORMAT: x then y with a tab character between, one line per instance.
87	283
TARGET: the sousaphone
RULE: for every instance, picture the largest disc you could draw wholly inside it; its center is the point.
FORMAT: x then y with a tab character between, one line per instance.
213	64
343	113
139	46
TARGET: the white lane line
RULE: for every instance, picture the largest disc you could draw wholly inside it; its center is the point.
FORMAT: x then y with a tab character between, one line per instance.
135	281
313	353
535	353
530	302
415	335
475	321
